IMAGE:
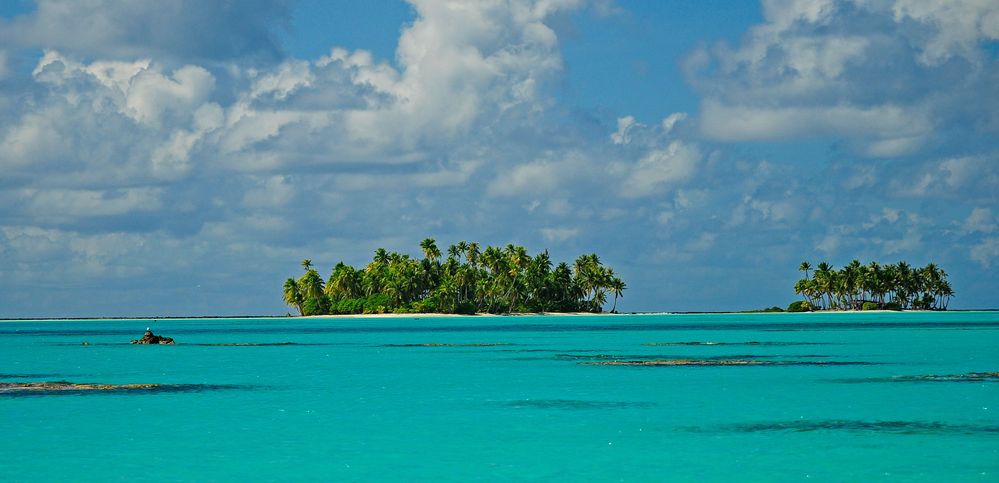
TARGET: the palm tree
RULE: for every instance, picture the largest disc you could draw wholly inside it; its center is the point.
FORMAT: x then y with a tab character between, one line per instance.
805	267
536	274
292	295
516	260
852	275
944	292
898	285
496	280
890	280
874	283
824	283
910	283
344	283
804	287
311	285
472	254
617	286
430	251
592	281
453	252
563	289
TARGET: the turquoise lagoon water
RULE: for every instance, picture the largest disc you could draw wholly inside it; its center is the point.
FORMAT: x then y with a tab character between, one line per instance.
365	400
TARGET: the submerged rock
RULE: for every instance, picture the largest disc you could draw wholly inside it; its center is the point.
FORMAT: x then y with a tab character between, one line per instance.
724	362
17	389
68	386
680	362
150	338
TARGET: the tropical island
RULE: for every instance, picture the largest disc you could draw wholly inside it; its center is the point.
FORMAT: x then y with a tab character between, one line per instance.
873	286
469	281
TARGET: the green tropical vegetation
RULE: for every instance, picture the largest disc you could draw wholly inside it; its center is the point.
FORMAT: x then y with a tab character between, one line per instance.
468	280
872	287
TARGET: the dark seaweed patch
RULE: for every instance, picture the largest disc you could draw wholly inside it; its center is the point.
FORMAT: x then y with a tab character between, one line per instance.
576	404
969	377
750	343
480	344
857	426
722	362
64	388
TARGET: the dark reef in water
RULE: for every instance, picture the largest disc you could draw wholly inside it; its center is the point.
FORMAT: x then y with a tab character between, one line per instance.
890	427
149	339
56	386
722	362
752	343
576	404
969	377
679	362
68	388
481	344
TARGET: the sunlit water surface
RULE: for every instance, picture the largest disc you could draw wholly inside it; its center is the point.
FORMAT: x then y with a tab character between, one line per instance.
840	397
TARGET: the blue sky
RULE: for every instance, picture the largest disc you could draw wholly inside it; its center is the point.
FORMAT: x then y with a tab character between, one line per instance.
181	158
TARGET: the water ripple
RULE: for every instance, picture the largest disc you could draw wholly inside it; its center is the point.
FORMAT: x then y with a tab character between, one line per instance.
857	426
969	377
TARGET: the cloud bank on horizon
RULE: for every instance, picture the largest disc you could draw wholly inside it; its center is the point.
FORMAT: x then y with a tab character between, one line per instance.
159	160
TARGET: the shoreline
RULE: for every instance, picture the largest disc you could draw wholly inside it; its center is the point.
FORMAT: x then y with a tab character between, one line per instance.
442	315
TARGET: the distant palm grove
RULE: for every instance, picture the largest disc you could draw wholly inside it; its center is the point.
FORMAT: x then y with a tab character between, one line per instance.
468	281
872	286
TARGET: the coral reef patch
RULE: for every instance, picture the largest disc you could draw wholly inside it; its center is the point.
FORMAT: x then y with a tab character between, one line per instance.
722	362
67	388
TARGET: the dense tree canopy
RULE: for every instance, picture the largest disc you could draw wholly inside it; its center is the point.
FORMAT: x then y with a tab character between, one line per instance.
469	280
874	286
